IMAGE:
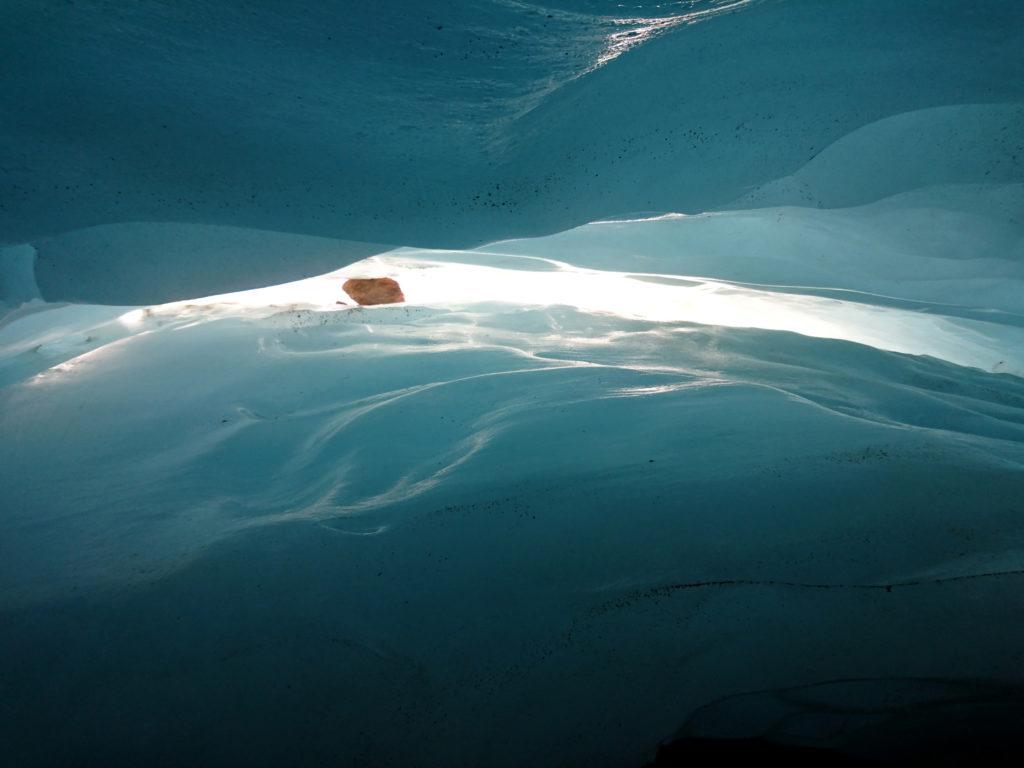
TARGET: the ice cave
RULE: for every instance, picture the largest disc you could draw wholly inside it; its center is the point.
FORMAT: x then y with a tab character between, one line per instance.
511	383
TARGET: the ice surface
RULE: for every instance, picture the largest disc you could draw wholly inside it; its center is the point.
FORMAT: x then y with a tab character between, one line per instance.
704	414
17	276
448	123
537	498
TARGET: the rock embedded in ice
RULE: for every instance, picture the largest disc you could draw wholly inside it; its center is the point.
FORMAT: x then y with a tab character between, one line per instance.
374	290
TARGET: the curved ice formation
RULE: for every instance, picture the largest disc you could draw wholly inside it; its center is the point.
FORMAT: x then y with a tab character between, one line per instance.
449	124
704	414
957	144
870	717
324	493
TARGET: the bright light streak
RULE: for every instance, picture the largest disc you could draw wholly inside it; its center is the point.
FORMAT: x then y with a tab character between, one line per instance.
437	279
636	31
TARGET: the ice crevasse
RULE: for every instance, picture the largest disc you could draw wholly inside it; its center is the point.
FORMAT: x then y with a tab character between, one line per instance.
702	420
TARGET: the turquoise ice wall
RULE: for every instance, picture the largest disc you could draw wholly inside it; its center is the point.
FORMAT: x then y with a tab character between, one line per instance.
456	123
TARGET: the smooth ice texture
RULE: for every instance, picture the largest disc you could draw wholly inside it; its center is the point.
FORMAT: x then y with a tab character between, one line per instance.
703	416
537	499
451	123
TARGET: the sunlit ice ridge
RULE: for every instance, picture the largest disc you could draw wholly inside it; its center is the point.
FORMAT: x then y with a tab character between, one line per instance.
490	382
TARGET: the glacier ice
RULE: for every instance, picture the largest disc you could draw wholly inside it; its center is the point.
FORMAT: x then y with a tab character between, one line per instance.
703	418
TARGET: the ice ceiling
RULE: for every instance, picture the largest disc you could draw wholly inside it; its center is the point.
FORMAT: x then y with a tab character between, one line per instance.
703	417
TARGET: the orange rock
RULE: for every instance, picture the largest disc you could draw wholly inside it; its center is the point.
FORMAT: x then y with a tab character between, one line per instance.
374	290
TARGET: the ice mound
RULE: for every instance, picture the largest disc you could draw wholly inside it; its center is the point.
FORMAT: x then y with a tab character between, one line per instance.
451	514
703	414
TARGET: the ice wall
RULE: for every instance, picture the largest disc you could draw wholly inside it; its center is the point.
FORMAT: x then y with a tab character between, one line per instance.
456	123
